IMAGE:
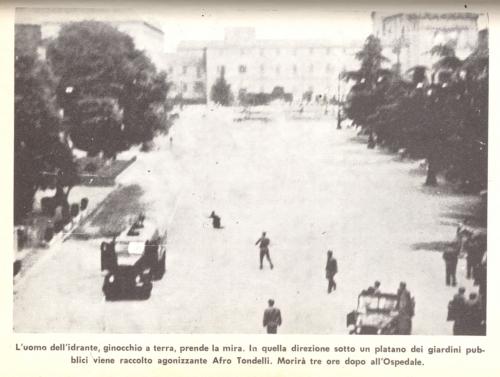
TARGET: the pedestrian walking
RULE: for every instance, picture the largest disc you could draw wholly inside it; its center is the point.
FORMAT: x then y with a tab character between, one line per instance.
272	318
456	312
331	270
406	307
263	243
215	220
450	260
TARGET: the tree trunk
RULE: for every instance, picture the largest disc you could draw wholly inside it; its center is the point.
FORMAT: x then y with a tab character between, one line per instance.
431	179
371	140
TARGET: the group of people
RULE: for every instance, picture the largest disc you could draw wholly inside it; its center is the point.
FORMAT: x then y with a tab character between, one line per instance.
474	247
405	306
467	314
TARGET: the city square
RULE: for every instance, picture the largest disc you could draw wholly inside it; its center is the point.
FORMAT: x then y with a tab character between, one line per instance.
260	161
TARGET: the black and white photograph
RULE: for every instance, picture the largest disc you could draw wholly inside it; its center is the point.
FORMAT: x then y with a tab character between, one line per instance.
222	174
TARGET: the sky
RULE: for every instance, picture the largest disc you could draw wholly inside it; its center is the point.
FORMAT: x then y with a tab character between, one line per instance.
341	27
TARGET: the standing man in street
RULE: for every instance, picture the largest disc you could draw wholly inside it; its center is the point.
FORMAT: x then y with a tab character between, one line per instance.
450	260
263	243
272	318
456	312
406	307
331	270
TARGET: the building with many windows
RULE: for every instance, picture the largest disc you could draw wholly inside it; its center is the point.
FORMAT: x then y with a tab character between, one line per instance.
258	65
407	38
186	73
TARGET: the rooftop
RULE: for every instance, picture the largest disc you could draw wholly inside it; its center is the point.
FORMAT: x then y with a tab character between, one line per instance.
425	15
260	43
44	16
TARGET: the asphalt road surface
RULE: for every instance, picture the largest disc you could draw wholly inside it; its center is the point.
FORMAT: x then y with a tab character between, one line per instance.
310	186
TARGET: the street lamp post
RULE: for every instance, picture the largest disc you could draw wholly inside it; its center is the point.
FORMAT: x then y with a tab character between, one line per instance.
339	120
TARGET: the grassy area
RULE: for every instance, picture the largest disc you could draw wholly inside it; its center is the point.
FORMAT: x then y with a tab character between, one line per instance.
95	171
121	205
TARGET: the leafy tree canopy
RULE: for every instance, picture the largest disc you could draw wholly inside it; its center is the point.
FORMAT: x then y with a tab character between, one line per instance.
95	60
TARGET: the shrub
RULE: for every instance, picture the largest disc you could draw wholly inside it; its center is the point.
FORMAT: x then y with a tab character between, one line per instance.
84	204
65	213
58	226
47	205
74	210
49	234
91	167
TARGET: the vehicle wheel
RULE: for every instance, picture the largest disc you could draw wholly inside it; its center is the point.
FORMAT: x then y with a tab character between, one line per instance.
110	290
109	294
159	269
146	292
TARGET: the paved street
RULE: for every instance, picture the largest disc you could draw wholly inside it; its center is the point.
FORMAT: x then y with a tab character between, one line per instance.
310	186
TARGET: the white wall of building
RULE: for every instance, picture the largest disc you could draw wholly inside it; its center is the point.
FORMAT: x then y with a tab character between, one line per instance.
420	32
297	69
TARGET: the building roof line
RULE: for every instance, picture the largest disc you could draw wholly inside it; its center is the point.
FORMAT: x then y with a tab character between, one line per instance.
453	15
262	43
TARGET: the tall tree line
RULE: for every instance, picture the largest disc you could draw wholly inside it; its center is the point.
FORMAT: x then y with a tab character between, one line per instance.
444	119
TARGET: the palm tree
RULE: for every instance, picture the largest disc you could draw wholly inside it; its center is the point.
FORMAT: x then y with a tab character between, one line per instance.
448	64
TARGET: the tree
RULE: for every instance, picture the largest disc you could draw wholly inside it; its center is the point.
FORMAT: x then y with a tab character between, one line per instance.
97	61
278	92
371	59
98	126
144	102
220	92
41	158
367	94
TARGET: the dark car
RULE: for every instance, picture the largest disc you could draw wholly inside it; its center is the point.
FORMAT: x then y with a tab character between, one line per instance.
133	260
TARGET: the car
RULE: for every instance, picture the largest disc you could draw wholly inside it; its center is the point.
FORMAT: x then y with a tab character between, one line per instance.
133	260
376	314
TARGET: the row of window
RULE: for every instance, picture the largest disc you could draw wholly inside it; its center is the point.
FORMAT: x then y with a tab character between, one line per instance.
198	87
185	68
279	51
278	69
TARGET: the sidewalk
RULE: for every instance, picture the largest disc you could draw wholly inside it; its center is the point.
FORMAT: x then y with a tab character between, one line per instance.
98	198
30	256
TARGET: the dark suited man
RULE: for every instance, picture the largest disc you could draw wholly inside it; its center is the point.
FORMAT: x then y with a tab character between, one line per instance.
451	259
215	220
263	243
331	270
272	318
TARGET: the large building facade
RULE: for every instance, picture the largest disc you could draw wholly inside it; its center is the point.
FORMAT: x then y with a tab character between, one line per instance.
258	65
186	72
407	38
147	36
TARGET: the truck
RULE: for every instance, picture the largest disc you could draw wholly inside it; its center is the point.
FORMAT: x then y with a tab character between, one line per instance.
132	260
376	314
